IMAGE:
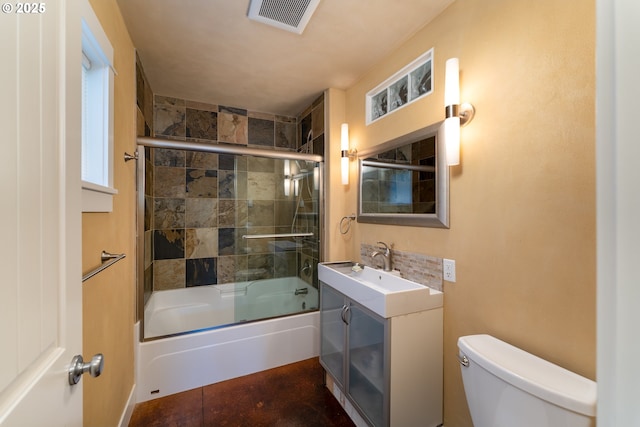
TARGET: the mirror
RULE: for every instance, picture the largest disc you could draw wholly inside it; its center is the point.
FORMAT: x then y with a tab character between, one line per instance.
405	181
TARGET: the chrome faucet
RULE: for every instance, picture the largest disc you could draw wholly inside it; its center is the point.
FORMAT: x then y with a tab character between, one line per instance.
306	269
383	250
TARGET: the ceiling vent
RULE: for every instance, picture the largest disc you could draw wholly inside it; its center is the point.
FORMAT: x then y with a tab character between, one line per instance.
290	15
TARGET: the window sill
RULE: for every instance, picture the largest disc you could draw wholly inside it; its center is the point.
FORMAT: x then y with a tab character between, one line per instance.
97	198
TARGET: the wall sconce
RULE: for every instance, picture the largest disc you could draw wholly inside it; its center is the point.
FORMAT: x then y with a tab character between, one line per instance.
346	153
456	115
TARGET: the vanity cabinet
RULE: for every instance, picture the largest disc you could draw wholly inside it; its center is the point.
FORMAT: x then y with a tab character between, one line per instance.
389	369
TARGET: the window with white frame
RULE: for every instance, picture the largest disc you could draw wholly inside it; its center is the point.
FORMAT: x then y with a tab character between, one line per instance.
97	115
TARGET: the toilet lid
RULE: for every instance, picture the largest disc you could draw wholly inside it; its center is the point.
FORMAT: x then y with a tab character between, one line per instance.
532	374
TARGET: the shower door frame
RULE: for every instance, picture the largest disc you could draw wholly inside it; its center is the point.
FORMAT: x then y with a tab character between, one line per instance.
242	150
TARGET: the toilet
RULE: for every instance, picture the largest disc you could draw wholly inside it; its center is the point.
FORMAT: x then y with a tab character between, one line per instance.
506	387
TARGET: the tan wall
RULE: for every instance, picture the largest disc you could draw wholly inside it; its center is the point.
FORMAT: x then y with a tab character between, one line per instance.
108	298
523	199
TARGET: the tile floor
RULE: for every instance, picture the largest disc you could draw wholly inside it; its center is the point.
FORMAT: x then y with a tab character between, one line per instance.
289	396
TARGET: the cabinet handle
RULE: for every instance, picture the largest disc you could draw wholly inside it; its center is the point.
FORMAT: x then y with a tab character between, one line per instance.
345	313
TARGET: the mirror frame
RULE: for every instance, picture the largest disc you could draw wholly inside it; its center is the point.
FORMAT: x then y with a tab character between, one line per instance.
439	219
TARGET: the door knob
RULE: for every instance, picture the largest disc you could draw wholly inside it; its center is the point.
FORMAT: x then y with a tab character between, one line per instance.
78	367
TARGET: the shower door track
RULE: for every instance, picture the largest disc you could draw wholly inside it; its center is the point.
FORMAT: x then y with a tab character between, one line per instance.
226	149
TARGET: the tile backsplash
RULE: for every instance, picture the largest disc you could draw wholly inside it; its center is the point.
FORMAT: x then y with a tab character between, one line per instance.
420	268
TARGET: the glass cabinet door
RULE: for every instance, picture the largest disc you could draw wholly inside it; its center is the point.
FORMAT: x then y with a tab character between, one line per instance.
332	344
366	363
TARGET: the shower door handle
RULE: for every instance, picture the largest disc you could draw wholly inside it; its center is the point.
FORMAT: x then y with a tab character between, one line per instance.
78	367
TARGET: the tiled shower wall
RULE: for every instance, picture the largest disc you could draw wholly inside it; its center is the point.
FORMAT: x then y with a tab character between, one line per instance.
199	205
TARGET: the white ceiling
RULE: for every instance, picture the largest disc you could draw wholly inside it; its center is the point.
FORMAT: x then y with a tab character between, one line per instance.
209	51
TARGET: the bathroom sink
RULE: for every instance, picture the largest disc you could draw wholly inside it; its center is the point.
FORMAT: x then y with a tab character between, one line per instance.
382	292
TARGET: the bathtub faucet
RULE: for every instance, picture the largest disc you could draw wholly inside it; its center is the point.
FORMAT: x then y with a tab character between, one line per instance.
384	251
306	268
301	291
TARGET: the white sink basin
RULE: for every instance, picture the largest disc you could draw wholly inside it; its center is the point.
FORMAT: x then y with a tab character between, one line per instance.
382	292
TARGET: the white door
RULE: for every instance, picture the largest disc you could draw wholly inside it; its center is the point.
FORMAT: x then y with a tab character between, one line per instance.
40	244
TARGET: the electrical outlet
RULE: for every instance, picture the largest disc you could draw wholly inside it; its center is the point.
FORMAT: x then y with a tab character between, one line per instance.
449	269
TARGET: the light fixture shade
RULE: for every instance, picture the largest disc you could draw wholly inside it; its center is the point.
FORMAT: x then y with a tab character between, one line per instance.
344	137
344	152
451	103
452	140
452	82
344	166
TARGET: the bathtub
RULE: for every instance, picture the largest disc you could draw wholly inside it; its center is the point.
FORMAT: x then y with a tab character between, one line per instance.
191	309
177	363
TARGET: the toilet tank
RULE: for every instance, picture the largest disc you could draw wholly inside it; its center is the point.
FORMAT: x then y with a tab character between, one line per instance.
506	386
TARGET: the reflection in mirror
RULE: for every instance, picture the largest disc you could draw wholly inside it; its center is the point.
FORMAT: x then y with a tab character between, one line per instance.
405	181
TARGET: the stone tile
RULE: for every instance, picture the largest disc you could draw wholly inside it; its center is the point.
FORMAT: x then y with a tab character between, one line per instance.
201	160
168	244
168	100
168	213
168	157
232	162
169	274
420	268
232	128
260	213
306	134
148	213
283	213
285	264
232	213
233	110
260	186
169	120
202	183
149	175
201	243
261	266
201	106
228	266
169	182
261	164
201	213
201	272
148	249
285	135
260	246
260	115
201	124
261	132
230	241
148	283
318	145
232	185
317	120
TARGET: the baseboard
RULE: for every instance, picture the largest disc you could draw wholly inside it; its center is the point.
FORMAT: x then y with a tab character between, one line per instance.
128	409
